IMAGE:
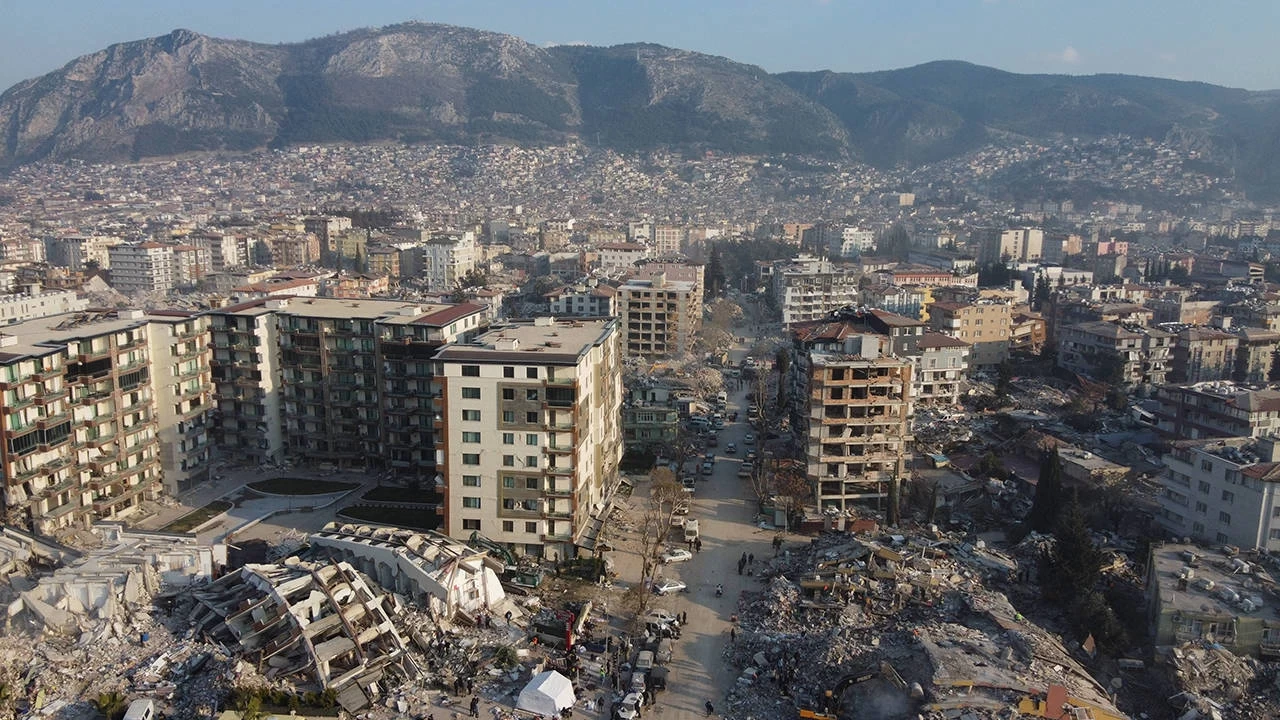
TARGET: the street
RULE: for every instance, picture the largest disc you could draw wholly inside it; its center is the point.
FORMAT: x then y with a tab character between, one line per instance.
726	509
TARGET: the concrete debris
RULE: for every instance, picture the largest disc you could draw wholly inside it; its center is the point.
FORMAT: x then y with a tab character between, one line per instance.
905	628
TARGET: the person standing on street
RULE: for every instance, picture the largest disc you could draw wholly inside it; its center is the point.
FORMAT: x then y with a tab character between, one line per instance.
710	708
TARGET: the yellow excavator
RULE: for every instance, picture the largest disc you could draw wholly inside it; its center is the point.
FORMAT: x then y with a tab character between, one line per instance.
831	698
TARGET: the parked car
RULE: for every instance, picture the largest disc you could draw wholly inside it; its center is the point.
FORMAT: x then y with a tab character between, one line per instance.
644	661
708	467
688	484
666	586
731	449
628	708
662	616
675	555
712	440
749	439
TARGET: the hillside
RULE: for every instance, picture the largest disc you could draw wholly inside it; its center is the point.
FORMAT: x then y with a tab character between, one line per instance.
419	82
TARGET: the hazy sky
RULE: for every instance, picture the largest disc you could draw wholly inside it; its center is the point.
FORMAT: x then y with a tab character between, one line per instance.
1227	42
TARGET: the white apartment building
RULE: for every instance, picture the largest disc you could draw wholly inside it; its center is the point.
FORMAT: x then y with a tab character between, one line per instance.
852	242
223	250
621	256
182	387
1223	492
941	367
590	300
669	239
33	302
76	252
533	440
808	289
447	258
142	267
661	310
1016	245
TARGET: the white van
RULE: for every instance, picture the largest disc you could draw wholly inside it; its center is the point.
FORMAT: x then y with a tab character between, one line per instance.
141	710
690	530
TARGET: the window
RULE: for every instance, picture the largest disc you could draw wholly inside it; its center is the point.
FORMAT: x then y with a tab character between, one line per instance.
531	439
508	416
1222	537
472	503
1204	487
1275	534
531	373
471	481
470	371
508	481
470	393
531	527
471	415
531	416
1197	528
508	371
508	526
1228	496
470	458
1275	512
508	461
471	524
531	461
1224	518
531	394
471	437
1206	466
508	438
508	393
1202	508
531	483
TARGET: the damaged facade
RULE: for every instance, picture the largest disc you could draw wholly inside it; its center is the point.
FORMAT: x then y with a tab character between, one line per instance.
309	623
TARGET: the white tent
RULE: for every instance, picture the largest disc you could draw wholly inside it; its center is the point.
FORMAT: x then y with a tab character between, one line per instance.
546	694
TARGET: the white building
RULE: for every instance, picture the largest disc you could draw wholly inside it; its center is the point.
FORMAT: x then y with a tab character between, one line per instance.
853	241
447	258
621	256
1016	245
808	288
533	438
590	300
33	302
1223	492
182	385
142	267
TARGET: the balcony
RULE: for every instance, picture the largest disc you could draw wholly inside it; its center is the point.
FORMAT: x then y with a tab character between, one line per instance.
561	471
557	537
557	514
558	448
558	492
49	421
50	396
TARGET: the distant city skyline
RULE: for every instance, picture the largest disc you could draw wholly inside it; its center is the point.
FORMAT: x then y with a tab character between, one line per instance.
1224	43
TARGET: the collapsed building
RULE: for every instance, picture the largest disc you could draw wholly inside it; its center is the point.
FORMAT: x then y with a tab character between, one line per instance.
308	621
103	583
444	576
902	630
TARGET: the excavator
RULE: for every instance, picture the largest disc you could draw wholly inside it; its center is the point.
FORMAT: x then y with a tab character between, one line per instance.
831	698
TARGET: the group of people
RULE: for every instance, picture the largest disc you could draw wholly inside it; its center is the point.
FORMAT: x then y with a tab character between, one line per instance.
747	562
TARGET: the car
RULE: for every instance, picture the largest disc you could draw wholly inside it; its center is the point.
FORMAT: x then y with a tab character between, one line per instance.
662	616
628	708
731	449
751	456
749	439
745	470
666	586
712	440
688	484
675	555
708	468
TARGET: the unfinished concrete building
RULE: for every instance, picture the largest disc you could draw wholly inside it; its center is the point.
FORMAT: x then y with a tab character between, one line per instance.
857	415
431	569
311	624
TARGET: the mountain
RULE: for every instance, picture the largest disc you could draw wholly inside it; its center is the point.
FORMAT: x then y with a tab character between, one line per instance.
419	82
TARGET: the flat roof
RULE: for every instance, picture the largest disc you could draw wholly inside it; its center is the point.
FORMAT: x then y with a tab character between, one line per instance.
43	336
1211	565
542	341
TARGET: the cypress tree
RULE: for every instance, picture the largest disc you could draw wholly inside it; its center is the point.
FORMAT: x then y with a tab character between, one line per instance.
1044	509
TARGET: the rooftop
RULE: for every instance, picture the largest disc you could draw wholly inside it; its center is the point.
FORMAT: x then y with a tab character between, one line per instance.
1216	584
554	341
43	336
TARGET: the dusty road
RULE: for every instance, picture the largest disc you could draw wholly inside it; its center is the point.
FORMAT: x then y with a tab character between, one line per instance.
726	509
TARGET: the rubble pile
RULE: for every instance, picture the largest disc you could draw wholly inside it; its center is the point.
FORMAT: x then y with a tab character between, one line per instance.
1219	684
909	627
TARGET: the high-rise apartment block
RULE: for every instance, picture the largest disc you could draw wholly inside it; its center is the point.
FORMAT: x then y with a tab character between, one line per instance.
98	407
985	324
142	267
447	258
533	439
661	309
809	289
1016	245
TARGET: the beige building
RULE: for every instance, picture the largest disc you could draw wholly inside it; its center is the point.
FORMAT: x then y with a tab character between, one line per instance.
533	441
985	325
82	414
1015	245
1134	354
661	310
669	239
142	267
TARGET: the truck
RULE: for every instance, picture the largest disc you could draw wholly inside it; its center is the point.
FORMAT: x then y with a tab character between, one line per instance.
690	530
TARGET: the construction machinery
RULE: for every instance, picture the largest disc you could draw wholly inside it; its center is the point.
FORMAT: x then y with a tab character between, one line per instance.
831	698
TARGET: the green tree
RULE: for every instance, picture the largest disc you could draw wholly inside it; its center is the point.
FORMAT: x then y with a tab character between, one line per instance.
782	362
1045	507
1075	562
1004	378
895	243
261	253
111	704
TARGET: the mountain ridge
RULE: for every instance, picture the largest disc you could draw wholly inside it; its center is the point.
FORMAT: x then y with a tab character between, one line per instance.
424	82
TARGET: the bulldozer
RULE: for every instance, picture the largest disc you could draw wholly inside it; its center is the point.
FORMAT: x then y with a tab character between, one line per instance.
830	709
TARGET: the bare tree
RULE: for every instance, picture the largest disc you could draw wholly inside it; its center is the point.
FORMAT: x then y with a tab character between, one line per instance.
792	487
665	494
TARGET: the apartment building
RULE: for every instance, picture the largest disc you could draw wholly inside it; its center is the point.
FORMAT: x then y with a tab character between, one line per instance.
1202	354
142	267
856	416
1014	245
1223	491
246	374
1255	355
809	289
1216	409
661	310
852	242
590	300
190	265
533	441
1131	354
225	251
669	239
34	302
941	366
78	252
84	397
621	256
985	324
447	258
295	250
326	227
